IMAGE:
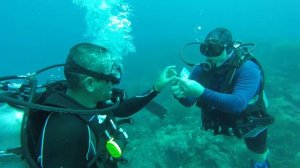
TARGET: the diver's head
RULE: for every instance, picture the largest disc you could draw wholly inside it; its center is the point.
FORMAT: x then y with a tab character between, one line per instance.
90	71
217	46
216	42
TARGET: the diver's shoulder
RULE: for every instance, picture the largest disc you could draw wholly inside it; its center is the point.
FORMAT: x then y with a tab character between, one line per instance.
71	119
249	64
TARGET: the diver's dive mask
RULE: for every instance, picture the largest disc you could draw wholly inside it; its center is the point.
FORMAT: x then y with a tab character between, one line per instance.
212	47
75	68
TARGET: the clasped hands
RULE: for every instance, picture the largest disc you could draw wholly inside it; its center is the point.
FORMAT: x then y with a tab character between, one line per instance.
181	87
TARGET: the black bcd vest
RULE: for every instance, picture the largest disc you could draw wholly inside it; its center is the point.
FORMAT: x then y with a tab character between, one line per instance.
55	96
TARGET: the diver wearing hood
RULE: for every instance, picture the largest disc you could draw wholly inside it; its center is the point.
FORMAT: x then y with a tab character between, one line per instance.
228	87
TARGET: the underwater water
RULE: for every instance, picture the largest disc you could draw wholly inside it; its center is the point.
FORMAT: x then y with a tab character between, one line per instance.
147	36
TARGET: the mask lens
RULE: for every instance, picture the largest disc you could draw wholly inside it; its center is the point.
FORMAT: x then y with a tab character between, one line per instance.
114	80
111	78
212	48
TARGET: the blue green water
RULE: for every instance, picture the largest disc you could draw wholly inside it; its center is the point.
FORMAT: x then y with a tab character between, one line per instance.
36	33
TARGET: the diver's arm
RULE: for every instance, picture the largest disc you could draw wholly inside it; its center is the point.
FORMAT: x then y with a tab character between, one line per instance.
132	105
247	84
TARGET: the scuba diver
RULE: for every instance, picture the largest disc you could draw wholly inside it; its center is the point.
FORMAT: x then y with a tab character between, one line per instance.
74	122
229	89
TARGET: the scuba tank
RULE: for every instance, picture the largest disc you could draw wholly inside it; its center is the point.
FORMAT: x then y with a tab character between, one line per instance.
10	126
10	134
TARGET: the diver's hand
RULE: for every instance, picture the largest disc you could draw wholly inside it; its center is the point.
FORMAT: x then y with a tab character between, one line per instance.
168	75
187	87
177	92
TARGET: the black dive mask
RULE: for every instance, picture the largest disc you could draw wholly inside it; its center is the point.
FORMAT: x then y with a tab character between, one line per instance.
75	68
212	47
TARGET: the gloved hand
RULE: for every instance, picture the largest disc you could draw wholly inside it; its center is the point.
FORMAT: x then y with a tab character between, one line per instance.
167	76
187	87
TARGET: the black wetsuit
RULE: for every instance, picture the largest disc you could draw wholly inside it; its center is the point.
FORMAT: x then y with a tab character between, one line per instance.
66	140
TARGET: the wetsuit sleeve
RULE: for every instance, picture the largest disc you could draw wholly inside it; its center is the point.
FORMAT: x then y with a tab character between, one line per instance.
132	105
65	142
246	85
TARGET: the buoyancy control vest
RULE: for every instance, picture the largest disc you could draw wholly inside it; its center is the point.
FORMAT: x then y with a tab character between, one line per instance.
249	122
107	130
